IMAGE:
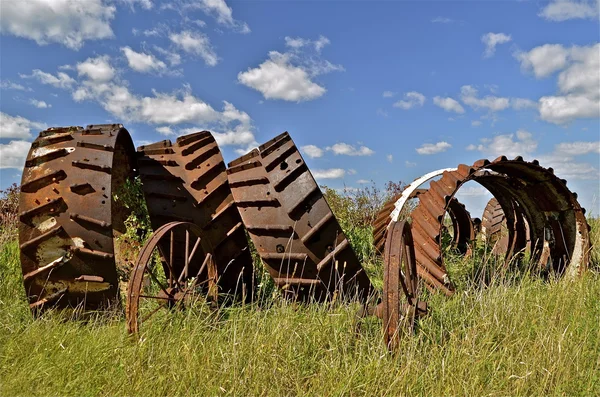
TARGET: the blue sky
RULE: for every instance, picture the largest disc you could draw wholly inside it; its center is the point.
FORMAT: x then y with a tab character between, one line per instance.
371	91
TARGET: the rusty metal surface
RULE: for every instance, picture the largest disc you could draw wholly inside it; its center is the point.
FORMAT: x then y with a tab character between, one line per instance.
400	305
463	228
292	226
68	218
493	227
187	181
172	291
527	193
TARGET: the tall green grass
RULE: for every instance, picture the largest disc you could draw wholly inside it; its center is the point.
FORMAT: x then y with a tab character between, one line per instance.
513	334
512	338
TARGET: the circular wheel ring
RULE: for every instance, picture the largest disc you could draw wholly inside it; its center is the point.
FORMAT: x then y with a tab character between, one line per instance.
175	288
400	280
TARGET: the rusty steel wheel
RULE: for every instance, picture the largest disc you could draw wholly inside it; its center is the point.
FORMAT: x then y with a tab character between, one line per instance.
69	219
160	287
186	180
400	306
292	227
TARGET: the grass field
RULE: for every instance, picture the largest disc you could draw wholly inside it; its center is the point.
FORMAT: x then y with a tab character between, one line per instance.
518	336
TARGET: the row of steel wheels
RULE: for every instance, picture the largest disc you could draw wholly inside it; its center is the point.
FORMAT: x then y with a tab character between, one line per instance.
200	213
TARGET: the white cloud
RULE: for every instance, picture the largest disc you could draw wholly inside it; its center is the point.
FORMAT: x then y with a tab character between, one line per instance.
544	60
96	69
469	96
388	94
562	159
67	22
523	103
18	127
409	164
312	151
411	99
507	145
474	191
442	20
9	85
448	104
363	181
289	76
277	78
349	150
195	43
433	148
562	10
577	148
39	104
578	83
143	63
296	43
165	130
223	14
389	158
61	80
475	123
13	154
145	4
381	112
173	58
331	173
352	171
491	40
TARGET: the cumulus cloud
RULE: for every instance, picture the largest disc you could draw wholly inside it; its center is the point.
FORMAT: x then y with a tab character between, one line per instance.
289	76
544	60
578	81
67	22
222	13
277	78
448	104
491	40
61	80
312	151
433	148
350	150
13	154
475	123
39	104
562	159
411	99
297	43
165	130
9	85
331	173
96	69
195	43
142	62
470	96
562	10
145	4
18	127
521	143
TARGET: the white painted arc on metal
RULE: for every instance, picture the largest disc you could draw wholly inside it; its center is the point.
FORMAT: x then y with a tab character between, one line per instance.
410	189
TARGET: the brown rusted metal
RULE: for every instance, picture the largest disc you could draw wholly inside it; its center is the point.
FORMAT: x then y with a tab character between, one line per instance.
400	306
292	226
463	229
152	288
68	217
493	227
528	194
187	181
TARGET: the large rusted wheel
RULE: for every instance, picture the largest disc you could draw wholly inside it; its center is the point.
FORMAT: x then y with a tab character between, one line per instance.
186	180
293	229
69	220
400	306
159	282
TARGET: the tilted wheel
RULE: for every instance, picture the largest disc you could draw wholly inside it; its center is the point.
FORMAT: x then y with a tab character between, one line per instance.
400	305
161	281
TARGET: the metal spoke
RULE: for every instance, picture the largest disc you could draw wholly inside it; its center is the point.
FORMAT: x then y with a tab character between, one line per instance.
194	249
153	312
162	287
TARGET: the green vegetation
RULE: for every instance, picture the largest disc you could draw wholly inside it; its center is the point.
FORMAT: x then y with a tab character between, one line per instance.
517	336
